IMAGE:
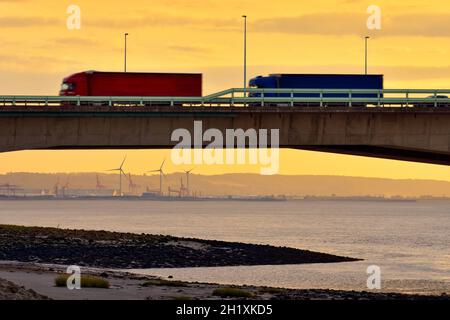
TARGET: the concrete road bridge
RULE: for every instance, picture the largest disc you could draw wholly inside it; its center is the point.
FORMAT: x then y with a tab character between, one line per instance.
412	125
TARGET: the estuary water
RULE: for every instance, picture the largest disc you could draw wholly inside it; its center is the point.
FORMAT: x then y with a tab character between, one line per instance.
409	241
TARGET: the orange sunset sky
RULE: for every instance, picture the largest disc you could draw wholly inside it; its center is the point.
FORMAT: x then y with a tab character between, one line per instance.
37	50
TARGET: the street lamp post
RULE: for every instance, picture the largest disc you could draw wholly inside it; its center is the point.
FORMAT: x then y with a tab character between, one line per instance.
245	55
125	67
366	53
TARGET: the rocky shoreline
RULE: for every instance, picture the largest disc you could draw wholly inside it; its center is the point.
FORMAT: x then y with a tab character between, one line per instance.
11	291
102	249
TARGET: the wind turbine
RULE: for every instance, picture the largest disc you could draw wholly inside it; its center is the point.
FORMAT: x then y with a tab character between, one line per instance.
161	175
120	169
188	172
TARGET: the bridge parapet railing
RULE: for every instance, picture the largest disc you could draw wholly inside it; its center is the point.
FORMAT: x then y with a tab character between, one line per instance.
254	97
343	97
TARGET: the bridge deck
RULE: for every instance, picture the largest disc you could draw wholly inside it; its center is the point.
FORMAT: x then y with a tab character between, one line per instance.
253	98
67	111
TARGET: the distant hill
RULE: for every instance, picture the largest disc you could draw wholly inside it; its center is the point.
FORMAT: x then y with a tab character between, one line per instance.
242	184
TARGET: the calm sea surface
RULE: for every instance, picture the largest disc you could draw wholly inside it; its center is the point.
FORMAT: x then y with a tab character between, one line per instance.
409	241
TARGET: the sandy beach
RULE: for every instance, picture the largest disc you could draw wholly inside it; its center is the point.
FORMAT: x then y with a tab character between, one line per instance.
36	281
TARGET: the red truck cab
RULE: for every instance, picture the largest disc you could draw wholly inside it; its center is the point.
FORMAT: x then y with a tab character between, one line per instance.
74	85
96	83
